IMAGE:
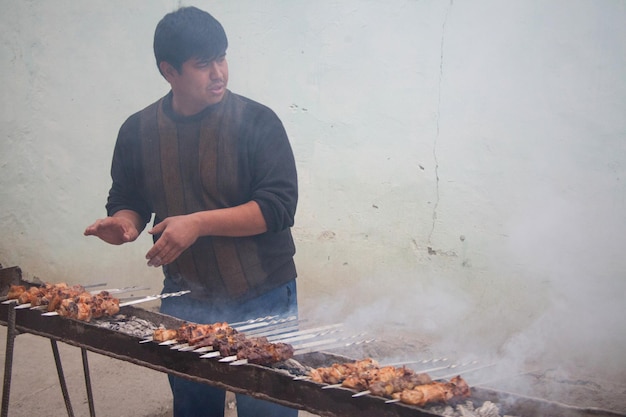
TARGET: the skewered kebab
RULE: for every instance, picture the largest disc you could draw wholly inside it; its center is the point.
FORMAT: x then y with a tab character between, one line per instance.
256	350
67	301
434	392
15	291
338	372
401	384
388	380
222	338
191	333
42	295
86	306
367	374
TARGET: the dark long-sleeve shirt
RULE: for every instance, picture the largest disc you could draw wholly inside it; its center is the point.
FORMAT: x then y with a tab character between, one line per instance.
230	153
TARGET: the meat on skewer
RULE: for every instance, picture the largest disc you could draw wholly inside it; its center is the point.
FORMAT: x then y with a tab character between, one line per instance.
214	339
162	334
401	379
227	341
192	333
402	384
68	301
434	392
15	291
57	295
338	372
40	295
266	353
86	306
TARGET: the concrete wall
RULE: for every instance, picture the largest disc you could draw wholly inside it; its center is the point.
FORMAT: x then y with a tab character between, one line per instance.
461	163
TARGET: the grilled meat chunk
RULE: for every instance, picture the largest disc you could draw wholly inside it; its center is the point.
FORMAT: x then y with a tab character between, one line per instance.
162	334
401	379
15	291
434	392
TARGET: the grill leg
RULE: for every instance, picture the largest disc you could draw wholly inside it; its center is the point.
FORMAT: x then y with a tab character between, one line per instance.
8	360
92	410
57	360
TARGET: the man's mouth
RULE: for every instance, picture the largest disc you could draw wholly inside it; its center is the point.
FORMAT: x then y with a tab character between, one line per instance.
216	88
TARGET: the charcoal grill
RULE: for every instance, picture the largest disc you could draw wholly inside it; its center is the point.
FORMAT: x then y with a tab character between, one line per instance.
262	382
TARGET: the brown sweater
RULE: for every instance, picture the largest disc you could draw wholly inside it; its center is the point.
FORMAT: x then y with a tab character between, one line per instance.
230	153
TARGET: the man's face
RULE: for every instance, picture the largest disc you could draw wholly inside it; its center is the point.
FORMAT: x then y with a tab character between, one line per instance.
199	84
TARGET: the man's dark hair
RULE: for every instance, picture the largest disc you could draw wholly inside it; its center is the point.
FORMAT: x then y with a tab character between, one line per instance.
188	33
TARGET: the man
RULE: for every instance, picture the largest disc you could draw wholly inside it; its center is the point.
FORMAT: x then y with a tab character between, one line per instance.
218	172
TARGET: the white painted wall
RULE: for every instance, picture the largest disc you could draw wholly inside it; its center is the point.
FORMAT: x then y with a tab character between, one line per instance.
461	163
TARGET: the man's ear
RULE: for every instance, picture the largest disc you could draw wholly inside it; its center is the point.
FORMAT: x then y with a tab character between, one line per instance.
167	70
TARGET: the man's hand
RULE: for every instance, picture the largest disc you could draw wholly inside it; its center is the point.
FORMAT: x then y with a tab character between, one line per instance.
114	230
177	234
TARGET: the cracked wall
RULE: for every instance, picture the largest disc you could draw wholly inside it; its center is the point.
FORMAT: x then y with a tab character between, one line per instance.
459	162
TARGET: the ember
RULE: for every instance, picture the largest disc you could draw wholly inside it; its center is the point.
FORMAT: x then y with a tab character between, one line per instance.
487	409
130	325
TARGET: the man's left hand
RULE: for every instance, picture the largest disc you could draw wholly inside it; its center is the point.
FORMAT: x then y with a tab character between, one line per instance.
177	234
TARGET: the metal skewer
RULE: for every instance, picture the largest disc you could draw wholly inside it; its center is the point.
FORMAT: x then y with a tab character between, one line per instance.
121	290
326	343
265	323
155	297
239	362
254	322
210	355
204	349
458	365
275	330
14	300
236	325
94	292
332	346
168	342
141	300
240	323
452	366
306	334
102	284
467	371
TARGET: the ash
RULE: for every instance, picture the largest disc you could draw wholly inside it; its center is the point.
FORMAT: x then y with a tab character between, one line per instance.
488	409
292	367
129	325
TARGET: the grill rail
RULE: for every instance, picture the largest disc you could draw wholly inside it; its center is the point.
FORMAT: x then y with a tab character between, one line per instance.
261	382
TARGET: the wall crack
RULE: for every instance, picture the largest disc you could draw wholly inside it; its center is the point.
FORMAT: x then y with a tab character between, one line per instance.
438	118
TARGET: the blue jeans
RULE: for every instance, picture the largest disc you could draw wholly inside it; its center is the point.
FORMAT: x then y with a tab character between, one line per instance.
193	399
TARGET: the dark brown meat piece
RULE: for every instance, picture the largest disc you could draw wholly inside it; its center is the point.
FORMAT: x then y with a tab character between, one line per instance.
402	380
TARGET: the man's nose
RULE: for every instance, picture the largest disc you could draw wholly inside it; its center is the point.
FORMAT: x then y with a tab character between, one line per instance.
215	72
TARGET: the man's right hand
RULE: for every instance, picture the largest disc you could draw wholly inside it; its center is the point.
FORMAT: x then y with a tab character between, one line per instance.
115	230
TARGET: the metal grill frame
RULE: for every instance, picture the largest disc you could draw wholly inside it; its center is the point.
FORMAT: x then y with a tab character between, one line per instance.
254	380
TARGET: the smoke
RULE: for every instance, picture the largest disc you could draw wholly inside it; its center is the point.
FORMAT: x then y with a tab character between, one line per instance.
573	247
553	299
397	308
